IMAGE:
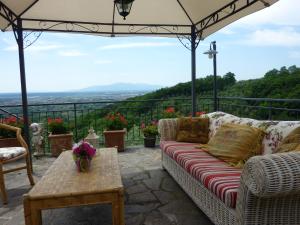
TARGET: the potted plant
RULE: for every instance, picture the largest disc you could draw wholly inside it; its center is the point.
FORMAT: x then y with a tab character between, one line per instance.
8	138
115	130
60	138
150	132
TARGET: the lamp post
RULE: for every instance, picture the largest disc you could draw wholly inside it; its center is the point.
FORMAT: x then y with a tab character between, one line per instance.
124	7
212	53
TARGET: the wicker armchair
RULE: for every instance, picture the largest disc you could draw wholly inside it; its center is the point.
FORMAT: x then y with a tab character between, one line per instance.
270	190
11	154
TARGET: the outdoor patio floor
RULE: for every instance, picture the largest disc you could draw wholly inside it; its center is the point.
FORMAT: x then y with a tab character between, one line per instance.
152	197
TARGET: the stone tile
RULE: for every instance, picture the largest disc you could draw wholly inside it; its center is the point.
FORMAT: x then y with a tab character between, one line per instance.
158	173
134	220
141	198
164	197
136	189
140	208
157	218
127	182
180	207
168	184
140	176
153	183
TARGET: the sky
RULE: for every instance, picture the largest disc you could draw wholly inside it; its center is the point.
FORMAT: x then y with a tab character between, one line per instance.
61	62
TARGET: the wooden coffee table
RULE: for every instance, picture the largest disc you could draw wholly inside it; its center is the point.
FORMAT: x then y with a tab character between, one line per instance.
62	186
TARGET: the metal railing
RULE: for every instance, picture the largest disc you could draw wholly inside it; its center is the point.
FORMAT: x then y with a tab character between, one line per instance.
83	115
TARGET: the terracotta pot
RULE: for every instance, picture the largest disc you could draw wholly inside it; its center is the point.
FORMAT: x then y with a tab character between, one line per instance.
115	138
60	142
149	142
9	142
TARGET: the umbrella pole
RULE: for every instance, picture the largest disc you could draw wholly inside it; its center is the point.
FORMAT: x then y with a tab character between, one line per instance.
19	31
193	69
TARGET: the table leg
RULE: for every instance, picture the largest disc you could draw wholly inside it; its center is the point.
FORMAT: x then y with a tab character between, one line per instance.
118	210
36	217
32	216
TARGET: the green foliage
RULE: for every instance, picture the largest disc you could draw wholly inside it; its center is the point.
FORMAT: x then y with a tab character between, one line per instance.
150	130
282	83
275	84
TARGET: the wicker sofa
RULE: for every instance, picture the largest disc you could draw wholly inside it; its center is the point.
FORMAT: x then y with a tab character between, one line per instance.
266	191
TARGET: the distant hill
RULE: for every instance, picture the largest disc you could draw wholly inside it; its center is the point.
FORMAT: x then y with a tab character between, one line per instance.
121	87
282	83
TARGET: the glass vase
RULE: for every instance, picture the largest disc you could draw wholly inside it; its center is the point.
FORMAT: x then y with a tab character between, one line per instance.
83	164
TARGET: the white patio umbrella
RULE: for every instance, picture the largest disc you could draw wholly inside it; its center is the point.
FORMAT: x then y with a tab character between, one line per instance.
190	19
155	17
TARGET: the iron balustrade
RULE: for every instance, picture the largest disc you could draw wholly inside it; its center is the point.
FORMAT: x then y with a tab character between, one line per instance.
80	116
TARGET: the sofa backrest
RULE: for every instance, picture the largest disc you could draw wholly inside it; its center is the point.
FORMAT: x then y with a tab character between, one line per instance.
276	131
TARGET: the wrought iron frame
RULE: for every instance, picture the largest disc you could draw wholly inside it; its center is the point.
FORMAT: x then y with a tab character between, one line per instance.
137	29
155	29
228	10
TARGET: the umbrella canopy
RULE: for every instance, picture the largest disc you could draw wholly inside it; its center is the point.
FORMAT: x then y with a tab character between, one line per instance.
155	17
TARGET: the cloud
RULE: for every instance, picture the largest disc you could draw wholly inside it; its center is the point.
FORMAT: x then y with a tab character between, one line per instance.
227	31
103	62
283	13
35	47
71	53
294	54
283	37
138	45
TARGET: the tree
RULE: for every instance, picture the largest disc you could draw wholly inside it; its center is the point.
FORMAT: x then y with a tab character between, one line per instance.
271	73
229	79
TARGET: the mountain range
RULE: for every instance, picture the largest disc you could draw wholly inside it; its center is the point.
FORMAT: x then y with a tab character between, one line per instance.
121	87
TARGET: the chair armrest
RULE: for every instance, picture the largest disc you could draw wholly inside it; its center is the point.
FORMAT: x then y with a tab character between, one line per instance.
167	129
18	132
273	174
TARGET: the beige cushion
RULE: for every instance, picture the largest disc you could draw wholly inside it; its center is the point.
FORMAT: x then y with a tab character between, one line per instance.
235	144
193	129
11	152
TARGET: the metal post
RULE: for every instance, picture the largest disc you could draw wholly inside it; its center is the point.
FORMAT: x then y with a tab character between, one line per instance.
23	83
75	121
215	77
193	70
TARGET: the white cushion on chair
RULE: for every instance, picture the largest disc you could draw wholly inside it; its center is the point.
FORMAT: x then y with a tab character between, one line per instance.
11	152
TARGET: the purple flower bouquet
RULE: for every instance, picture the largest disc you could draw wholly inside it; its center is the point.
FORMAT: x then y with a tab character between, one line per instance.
83	152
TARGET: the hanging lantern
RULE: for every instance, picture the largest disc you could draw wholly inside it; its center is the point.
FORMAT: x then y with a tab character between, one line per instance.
124	7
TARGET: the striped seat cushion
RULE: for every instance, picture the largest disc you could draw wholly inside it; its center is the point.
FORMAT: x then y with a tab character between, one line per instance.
11	152
216	175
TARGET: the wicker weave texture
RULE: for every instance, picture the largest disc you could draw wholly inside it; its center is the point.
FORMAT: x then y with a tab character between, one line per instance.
213	207
273	174
270	190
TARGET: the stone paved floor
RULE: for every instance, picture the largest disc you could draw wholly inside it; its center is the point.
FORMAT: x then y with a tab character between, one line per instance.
152	197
